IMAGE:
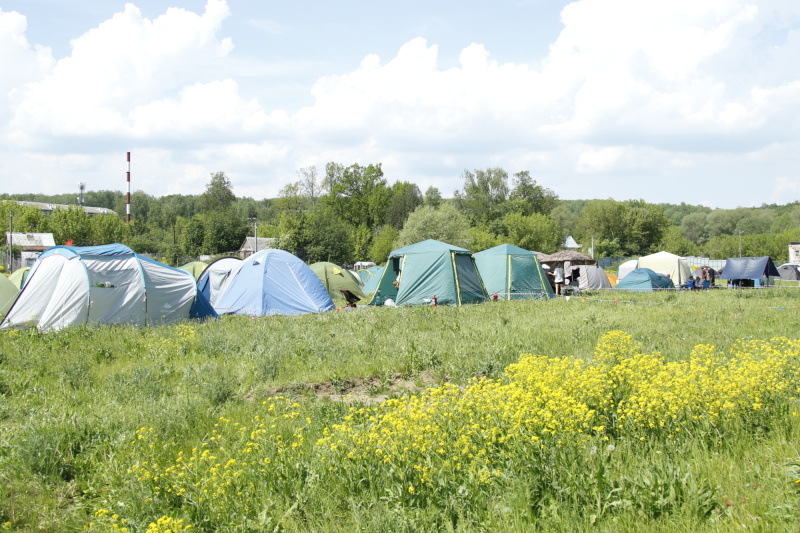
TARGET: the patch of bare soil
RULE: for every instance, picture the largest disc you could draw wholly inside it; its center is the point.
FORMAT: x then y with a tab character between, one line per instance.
368	391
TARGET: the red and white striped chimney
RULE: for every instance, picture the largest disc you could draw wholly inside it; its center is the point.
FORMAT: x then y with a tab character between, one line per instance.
128	199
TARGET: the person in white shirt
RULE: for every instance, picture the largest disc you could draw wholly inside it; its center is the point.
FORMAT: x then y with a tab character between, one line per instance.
558	277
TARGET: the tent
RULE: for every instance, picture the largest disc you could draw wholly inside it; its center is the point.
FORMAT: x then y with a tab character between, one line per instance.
70	285
749	271
272	282
8	293
627	267
213	277
644	280
668	264
195	268
591	278
356	277
335	279
612	279
427	269
512	273
370	278
789	271
19	276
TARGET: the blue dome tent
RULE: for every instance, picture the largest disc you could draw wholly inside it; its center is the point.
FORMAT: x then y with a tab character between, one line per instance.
272	282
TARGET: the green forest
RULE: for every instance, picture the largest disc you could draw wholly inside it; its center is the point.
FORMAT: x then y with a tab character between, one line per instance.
352	213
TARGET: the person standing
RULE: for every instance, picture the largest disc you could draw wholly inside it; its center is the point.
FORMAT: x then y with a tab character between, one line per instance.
558	277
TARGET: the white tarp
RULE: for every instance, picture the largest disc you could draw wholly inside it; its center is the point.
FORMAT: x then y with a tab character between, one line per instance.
627	267
667	264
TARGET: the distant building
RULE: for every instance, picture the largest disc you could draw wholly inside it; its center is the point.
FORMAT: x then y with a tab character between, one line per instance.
252	245
32	245
570	244
48	209
794	252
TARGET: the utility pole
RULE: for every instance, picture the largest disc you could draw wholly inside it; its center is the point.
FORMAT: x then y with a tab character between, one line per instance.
10	241
254	220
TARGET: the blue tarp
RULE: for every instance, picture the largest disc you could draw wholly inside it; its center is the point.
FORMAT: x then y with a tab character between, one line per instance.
272	282
749	268
644	280
75	251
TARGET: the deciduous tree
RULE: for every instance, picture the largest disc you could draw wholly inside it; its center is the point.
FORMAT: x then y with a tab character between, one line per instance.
219	193
533	232
406	197
444	224
483	196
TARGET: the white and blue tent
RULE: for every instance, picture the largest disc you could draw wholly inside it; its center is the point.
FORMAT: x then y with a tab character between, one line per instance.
110	284
272	282
215	275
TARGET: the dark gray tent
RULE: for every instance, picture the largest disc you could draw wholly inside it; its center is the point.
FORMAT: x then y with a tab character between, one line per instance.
789	271
751	269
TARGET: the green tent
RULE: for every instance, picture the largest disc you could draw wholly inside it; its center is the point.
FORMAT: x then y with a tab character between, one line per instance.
512	273
195	268
370	278
18	277
427	269
8	293
336	278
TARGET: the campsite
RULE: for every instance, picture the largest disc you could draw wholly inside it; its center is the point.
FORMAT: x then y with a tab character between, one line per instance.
446	385
298	423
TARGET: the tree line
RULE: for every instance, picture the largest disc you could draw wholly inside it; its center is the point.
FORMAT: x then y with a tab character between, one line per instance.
345	214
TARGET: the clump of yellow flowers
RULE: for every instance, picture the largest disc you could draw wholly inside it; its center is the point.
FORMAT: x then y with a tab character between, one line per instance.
467	436
544	402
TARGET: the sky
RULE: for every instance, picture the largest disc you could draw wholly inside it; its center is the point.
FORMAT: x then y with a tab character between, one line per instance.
669	102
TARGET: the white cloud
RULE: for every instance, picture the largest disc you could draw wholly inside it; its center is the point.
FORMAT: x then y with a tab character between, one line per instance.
199	110
600	160
125	62
785	190
22	63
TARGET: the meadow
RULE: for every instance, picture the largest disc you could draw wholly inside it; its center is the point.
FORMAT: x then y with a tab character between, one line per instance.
609	412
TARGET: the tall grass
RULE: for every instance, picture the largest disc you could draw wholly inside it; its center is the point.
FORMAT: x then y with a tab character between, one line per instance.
84	412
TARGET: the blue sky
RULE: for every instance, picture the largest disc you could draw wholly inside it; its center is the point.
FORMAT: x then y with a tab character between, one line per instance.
668	102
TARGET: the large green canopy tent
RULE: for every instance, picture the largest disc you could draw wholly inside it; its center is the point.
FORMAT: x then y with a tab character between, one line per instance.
512	273
195	268
8	293
336	278
427	269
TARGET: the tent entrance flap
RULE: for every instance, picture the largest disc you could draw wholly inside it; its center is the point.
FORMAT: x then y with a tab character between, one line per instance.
469	283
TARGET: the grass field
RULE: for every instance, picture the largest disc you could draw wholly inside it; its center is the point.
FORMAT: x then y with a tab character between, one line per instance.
610	412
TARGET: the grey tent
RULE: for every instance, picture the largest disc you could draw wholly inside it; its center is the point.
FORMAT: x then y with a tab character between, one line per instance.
789	271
